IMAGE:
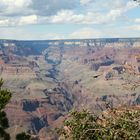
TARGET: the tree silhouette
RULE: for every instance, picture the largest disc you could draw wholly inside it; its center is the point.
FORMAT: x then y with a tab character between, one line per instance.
23	136
5	96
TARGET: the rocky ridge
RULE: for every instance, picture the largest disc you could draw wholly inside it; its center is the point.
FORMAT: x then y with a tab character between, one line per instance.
49	78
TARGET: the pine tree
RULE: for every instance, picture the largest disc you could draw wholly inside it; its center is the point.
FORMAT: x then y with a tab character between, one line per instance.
5	96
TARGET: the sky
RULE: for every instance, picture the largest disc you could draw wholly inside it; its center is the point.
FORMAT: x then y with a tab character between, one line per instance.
68	19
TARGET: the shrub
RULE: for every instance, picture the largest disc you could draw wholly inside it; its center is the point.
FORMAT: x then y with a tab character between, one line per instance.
116	124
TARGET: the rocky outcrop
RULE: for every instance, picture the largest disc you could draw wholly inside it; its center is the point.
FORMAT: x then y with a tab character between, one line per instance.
30	105
137	102
16	70
36	114
111	101
96	66
66	74
65	102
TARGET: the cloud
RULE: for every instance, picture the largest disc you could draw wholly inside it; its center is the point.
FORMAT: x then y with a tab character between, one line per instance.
37	7
26	34
32	19
51	7
14	7
113	4
137	20
79	13
134	27
26	12
23	33
68	16
85	2
85	33
4	22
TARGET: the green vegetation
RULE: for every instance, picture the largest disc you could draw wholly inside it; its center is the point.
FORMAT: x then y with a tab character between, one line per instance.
5	96
23	136
116	124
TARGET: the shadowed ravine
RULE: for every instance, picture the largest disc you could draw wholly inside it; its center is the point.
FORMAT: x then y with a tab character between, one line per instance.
56	76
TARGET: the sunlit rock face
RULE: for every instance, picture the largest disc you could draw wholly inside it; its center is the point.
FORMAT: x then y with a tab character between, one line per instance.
50	78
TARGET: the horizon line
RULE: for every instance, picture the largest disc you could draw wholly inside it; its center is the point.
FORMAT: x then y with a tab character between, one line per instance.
70	39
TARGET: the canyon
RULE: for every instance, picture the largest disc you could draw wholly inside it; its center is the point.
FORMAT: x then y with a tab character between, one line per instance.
48	79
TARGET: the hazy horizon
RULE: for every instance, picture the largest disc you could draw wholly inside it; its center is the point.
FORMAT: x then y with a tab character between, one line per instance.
71	39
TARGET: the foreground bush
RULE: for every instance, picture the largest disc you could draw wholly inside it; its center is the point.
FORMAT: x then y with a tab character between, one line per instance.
116	124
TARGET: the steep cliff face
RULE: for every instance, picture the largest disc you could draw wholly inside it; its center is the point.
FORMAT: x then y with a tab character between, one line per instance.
65	102
49	78
35	114
29	105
